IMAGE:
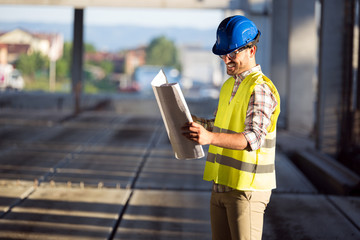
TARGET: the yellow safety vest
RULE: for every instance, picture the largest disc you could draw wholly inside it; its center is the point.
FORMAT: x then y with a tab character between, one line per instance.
242	169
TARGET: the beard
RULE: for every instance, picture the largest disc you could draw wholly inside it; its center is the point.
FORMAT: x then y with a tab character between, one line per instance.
231	68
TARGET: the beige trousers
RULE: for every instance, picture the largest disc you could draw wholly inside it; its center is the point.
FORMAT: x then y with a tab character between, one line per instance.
238	215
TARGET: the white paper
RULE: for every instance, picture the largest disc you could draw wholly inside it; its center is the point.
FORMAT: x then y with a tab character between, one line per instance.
175	113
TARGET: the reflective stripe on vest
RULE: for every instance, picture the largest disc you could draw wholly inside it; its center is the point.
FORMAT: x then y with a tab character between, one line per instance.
239	165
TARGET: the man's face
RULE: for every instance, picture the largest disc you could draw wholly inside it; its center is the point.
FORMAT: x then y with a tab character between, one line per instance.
242	61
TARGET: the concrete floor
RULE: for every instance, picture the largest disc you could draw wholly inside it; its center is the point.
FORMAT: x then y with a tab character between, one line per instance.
104	175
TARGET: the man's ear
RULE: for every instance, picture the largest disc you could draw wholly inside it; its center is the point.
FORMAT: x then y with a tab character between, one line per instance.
253	51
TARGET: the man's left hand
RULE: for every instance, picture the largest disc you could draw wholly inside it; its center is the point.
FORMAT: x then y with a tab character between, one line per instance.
197	133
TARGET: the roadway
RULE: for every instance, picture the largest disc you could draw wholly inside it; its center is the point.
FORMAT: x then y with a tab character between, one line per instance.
109	175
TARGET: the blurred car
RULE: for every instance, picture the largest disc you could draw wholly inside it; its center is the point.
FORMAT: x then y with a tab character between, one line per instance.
10	78
16	80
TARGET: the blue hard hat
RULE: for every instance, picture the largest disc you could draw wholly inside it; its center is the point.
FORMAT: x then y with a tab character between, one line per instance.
233	33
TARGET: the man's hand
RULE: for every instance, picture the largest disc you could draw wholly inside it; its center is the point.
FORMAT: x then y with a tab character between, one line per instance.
197	133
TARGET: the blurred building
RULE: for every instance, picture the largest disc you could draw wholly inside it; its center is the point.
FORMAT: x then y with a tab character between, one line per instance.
124	65
133	59
18	41
124	62
200	66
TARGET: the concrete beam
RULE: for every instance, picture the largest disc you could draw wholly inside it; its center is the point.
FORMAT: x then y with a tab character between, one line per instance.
203	4
328	175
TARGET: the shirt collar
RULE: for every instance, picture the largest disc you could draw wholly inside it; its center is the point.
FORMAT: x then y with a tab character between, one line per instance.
244	74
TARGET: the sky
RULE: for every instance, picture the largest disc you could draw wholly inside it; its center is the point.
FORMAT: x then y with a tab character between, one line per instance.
203	19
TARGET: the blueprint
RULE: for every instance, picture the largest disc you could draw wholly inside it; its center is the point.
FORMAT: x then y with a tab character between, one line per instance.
175	113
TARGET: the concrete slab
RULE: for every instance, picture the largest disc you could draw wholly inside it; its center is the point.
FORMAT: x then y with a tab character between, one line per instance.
300	216
166	215
131	120
350	207
112	120
94	117
13	134
10	195
91	119
327	174
32	117
28	164
98	169
135	105
102	148
62	147
290	179
163	171
163	140
128	136
71	135
116	131
62	213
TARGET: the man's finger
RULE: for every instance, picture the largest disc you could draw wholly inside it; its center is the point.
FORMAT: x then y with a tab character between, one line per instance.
194	129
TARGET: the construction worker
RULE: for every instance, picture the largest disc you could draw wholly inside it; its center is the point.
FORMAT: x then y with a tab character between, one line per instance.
242	137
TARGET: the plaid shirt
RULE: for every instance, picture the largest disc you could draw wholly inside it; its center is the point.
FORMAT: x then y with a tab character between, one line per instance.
261	106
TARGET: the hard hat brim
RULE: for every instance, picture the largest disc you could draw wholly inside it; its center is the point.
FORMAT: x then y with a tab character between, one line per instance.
217	51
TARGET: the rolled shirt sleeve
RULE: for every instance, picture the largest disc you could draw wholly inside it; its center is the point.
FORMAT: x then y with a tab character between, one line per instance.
261	106
208	124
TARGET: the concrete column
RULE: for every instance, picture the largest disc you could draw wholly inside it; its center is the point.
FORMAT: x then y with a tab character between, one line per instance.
263	53
302	51
77	58
279	53
331	73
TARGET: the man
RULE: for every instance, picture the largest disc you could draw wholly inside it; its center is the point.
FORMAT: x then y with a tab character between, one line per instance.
242	136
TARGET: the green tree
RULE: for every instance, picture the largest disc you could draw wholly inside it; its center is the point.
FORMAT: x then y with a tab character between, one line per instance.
63	65
162	52
30	64
108	66
89	48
